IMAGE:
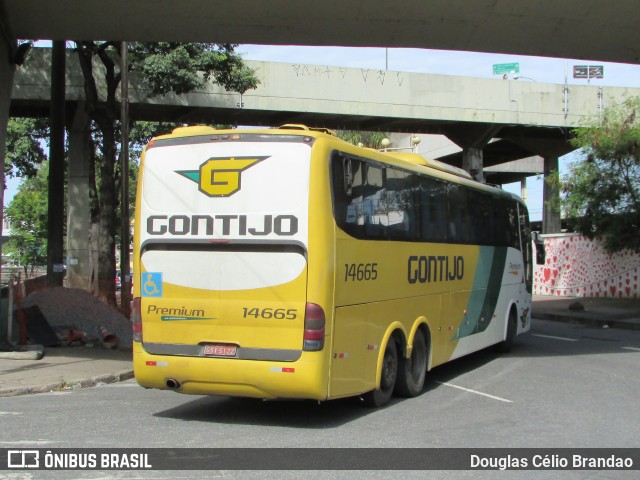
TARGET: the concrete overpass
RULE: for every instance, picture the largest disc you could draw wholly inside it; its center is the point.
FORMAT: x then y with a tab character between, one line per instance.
587	29
528	118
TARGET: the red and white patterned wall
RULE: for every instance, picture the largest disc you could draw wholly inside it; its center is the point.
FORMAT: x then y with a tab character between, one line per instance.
578	267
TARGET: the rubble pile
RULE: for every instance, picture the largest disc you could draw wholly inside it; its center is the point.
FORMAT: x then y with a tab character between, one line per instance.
77	316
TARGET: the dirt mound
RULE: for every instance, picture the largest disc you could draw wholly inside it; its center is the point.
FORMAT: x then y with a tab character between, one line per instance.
72	309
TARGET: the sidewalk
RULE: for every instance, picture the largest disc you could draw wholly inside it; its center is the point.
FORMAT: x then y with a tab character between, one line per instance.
64	368
598	312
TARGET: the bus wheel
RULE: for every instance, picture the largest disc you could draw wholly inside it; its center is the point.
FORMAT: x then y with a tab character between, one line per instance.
412	371
507	343
380	397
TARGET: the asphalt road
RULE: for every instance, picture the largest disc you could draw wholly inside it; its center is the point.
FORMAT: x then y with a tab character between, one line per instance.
562	385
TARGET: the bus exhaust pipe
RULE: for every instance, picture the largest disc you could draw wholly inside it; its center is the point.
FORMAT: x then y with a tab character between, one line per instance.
173	384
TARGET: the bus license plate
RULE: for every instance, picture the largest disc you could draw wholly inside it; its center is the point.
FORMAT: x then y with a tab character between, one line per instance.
220	350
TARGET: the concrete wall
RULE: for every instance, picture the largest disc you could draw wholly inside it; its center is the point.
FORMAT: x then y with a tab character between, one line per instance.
577	267
315	88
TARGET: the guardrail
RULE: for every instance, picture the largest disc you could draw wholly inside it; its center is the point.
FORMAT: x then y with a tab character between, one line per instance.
9	272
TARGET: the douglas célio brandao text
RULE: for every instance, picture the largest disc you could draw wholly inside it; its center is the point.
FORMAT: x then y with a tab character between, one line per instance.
550	462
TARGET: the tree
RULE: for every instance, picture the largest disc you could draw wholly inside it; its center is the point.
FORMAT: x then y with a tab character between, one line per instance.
139	136
367	139
24	157
183	67
24	146
602	190
166	67
28	215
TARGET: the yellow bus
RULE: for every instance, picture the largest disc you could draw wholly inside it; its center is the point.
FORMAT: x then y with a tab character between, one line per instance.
288	263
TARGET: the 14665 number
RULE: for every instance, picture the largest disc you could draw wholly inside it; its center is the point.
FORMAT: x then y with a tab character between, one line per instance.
277	313
359	272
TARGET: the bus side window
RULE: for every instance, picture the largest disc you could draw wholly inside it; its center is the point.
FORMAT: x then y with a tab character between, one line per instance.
374	204
433	213
525	241
481	216
458	209
347	194
403	205
513	234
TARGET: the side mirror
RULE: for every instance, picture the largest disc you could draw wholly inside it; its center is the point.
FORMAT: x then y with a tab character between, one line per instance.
538	241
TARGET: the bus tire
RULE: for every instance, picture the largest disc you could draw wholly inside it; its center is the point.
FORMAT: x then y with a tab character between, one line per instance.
512	327
412	371
381	396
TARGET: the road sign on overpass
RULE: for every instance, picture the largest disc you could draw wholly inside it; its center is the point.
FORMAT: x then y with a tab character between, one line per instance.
502	68
588	71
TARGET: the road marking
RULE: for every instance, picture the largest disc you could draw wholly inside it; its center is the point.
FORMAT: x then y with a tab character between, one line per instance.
10	413
28	442
632	348
554	337
476	392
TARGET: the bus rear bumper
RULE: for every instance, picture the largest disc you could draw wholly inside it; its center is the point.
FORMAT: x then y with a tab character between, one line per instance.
303	379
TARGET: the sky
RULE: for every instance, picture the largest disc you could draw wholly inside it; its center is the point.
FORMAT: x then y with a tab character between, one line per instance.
535	69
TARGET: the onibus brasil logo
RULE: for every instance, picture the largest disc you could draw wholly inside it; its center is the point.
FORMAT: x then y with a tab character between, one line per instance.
220	177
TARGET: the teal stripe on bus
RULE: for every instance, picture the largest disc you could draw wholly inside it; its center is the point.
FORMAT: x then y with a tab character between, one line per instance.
485	291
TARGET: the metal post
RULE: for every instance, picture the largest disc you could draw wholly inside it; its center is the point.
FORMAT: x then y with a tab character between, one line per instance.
125	292
55	210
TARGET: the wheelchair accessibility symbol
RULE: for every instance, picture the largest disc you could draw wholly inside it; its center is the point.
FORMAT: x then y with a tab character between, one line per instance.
151	284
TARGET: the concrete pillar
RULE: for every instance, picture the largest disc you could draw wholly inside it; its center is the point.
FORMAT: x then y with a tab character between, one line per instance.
550	149
78	219
55	208
523	189
551	198
472	162
7	69
472	139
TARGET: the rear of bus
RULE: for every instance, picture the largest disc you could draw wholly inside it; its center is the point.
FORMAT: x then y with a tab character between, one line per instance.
221	266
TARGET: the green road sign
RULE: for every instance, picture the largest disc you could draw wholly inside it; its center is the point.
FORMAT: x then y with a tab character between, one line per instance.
501	68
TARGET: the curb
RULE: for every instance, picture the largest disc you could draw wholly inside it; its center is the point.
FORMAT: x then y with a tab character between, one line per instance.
72	385
631	324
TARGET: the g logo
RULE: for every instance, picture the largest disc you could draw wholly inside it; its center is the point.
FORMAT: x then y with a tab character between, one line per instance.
220	177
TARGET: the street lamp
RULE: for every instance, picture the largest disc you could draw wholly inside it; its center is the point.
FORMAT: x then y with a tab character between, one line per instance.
385	142
518	77
415	141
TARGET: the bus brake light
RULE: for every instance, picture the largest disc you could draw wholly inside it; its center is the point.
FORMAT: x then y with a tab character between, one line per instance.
314	322
136	320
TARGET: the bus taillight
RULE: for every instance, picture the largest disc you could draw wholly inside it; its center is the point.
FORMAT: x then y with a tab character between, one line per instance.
313	328
136	320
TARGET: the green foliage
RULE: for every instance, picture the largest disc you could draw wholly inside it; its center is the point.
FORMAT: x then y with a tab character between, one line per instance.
602	191
141	132
184	67
28	215
367	139
24	146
